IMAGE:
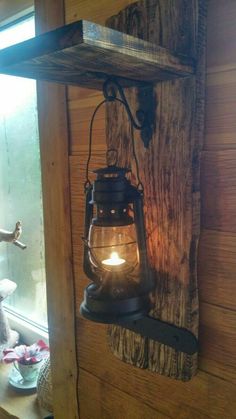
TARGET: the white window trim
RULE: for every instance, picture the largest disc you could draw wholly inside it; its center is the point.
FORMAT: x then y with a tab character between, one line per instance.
29	333
16	17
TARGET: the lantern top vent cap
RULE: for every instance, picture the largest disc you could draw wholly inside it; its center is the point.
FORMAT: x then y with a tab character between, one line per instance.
110	170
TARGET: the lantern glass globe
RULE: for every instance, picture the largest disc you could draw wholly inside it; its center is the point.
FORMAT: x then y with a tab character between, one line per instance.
113	248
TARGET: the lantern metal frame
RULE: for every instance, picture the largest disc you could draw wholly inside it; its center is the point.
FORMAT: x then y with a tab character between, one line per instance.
113	197
136	310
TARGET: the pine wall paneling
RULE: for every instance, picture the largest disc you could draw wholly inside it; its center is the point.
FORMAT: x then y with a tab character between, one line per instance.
211	394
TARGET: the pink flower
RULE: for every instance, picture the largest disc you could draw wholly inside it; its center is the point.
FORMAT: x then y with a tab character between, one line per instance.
26	354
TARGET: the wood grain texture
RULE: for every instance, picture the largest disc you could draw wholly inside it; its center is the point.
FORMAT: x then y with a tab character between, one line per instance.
84	53
111	403
220	111
217	268
221	52
170	173
218	339
204	396
80	114
219	190
58	249
97	11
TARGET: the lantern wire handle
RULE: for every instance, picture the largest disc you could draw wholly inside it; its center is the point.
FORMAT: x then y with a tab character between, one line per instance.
110	95
87	183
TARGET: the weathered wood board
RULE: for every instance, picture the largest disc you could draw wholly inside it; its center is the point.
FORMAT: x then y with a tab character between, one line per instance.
84	53
170	174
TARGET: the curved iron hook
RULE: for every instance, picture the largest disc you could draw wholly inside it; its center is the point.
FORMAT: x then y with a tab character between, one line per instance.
110	94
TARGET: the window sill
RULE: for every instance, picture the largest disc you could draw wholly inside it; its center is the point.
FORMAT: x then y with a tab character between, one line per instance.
15	405
28	332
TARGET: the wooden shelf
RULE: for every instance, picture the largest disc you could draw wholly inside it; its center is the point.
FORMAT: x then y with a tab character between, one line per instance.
84	53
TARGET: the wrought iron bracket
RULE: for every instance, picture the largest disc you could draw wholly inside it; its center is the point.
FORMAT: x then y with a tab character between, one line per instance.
144	120
177	338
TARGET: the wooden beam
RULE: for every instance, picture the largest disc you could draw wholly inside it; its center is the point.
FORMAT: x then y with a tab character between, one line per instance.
54	145
84	53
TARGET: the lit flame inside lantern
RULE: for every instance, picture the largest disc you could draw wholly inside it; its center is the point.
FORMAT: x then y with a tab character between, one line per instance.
114	260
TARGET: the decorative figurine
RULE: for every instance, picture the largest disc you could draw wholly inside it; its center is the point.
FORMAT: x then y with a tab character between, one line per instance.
12	237
8	337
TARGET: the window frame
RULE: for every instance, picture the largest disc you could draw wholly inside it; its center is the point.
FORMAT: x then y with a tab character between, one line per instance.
29	330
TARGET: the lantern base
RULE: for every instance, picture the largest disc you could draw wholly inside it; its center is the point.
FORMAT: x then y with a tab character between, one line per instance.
132	314
111	311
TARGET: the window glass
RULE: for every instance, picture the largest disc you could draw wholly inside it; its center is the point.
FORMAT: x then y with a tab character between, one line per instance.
20	186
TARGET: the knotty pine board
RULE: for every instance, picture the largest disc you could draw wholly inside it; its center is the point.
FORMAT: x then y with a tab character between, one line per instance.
170	174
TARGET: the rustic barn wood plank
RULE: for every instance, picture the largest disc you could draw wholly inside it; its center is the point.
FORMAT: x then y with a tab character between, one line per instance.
217	268
54	146
220	111
84	53
219	190
170	174
109	402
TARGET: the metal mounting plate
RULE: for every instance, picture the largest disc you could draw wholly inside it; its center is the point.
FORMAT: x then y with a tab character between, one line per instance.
176	337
